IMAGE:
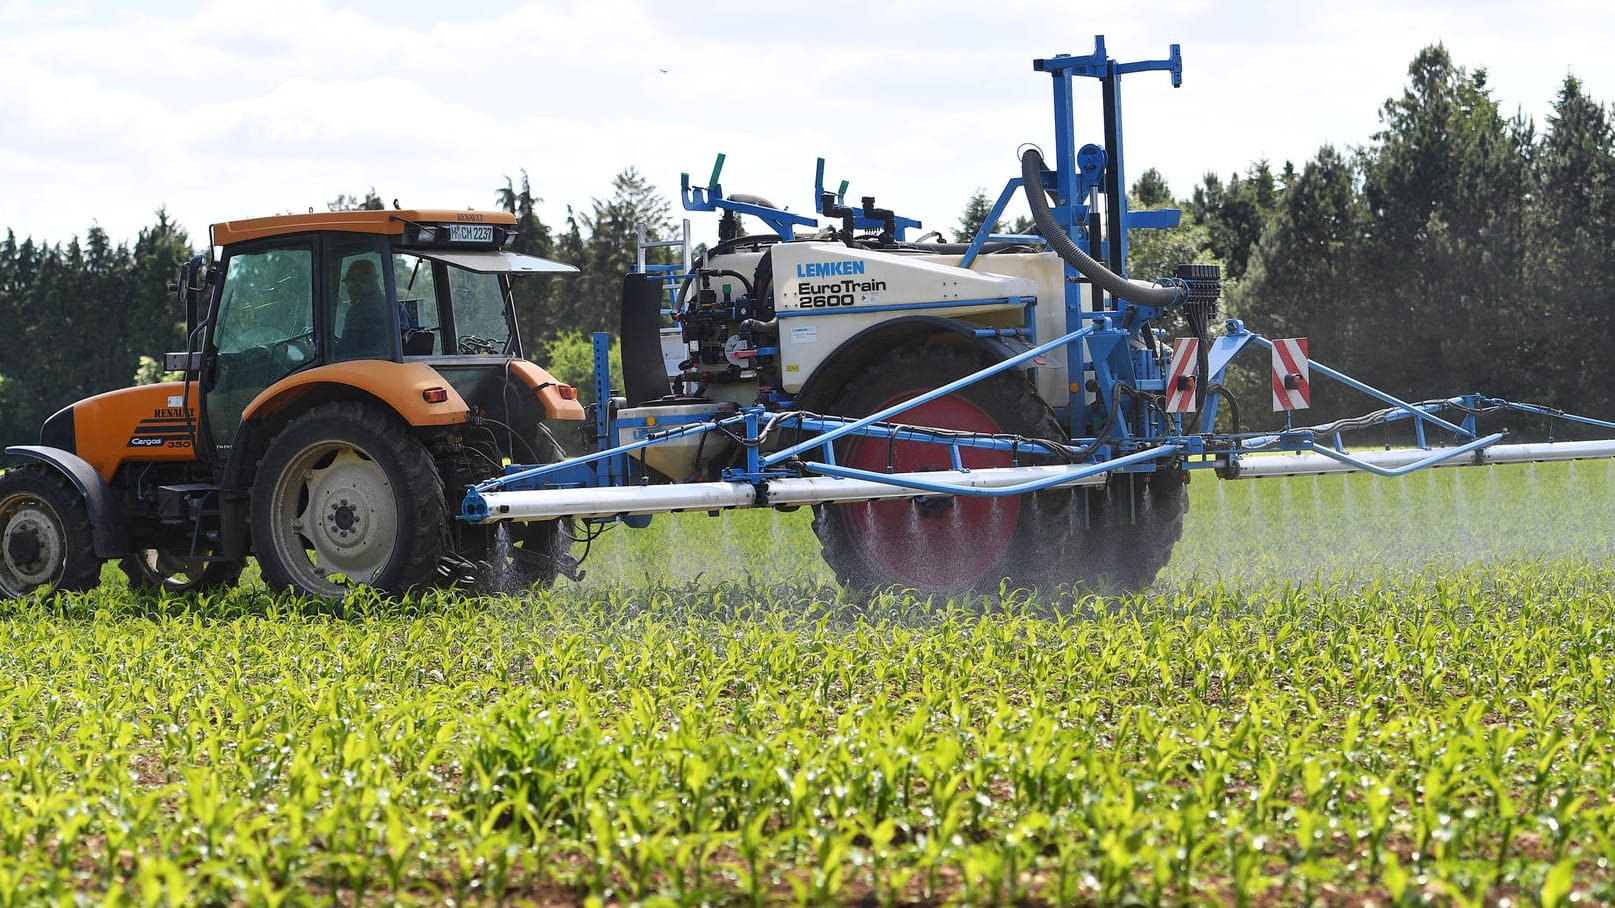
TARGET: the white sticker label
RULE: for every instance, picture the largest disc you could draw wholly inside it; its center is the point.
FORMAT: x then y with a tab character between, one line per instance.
176	401
869	298
805	334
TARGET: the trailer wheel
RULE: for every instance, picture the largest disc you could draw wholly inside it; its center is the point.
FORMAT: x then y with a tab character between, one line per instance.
1135	525
346	497
947	543
46	541
166	571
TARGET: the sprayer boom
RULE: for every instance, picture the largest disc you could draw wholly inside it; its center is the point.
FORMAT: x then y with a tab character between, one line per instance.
787	494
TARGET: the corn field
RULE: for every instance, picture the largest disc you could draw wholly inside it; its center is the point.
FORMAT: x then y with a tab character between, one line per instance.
1341	692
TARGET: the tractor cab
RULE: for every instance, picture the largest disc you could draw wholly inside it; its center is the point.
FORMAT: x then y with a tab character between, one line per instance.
300	293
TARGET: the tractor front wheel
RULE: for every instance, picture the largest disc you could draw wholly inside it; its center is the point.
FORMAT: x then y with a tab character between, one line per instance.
346	497
46	540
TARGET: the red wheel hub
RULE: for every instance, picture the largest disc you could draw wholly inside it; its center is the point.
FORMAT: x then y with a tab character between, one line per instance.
931	544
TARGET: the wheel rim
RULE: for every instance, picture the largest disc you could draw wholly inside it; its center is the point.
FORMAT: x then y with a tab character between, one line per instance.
33	544
932	544
335	518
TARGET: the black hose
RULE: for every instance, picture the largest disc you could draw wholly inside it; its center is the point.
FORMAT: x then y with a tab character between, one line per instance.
1217	389
1109	281
679	300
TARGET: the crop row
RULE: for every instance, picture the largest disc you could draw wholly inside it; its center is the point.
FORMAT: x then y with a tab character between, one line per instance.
1443	737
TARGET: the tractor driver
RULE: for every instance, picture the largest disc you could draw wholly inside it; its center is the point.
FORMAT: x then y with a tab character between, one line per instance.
365	332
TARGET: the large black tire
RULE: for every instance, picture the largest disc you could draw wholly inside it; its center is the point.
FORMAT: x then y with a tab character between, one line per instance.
949	544
46	540
346	497
1135	523
522	556
166	571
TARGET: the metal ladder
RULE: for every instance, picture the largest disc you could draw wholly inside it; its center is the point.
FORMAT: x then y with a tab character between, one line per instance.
670	275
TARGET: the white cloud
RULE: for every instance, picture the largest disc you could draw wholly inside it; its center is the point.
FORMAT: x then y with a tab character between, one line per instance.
228	109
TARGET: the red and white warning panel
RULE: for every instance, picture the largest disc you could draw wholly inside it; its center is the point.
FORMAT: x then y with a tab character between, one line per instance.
1181	380
1292	384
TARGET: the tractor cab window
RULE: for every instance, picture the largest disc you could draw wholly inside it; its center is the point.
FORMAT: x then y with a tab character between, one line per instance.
444	309
263	332
363	324
481	318
421	323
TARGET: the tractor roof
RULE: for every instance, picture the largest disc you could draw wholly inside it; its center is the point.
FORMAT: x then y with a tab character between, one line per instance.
382	222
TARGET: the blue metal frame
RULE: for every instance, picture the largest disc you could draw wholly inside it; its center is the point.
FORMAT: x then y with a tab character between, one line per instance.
710	198
859	221
823	441
1079	175
1066	477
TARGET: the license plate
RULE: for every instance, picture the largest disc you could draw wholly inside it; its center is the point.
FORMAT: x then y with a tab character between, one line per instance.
470	233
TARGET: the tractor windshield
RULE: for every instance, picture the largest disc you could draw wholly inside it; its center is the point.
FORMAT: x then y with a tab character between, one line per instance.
479	312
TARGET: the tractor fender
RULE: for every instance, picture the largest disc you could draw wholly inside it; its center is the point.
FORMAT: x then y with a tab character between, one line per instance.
103	505
859	351
557	404
401	386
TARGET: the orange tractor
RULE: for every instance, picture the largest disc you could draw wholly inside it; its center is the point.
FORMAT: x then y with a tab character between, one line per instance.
351	374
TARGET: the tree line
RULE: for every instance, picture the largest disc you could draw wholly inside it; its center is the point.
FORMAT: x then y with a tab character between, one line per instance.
1458	249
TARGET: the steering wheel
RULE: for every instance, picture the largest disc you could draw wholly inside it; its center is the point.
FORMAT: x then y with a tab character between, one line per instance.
470	343
293	352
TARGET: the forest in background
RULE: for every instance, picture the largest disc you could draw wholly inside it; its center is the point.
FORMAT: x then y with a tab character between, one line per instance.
1458	249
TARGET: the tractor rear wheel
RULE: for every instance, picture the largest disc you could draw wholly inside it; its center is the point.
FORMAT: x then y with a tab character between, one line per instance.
46	540
346	497
943	543
167	571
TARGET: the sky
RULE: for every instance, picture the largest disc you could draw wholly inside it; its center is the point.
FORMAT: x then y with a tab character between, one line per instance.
223	109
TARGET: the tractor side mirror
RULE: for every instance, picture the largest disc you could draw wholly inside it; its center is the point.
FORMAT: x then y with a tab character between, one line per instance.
184	361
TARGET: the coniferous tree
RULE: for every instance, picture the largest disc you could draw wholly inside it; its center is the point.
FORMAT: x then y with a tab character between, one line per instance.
1302	275
1151	191
1157	253
533	295
975	214
609	251
568	304
1235	215
1572	227
1444	235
